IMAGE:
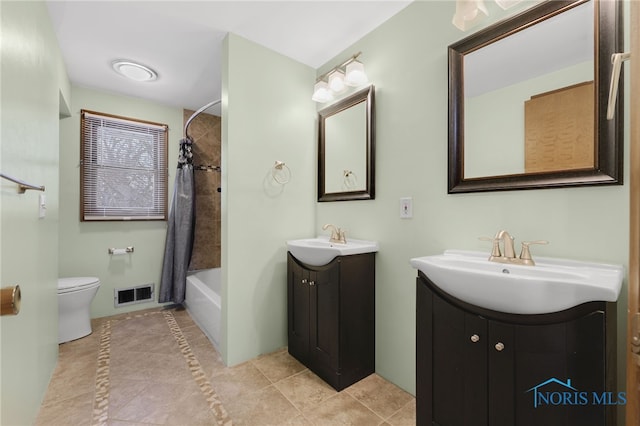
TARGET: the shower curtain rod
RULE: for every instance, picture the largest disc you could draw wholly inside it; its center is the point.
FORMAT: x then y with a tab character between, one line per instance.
195	114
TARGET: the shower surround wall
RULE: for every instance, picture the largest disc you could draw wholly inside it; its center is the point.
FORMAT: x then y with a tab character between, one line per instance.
205	130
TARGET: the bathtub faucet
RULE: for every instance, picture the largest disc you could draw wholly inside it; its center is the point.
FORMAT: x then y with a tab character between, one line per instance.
337	234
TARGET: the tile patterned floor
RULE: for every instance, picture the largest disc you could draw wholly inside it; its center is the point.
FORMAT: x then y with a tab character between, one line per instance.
157	368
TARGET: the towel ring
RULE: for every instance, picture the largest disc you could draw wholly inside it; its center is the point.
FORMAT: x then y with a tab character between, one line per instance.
350	179
281	173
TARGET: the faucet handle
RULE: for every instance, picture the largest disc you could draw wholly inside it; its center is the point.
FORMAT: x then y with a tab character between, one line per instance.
525	254
495	250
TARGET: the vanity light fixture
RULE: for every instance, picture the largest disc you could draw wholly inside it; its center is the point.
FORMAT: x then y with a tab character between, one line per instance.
321	92
471	12
349	73
134	70
336	82
507	4
355	74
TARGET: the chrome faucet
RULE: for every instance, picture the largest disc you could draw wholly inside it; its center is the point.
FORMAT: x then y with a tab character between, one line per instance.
337	234
508	255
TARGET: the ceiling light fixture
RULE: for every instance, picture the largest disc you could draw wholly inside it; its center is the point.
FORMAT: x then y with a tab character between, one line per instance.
133	70
349	73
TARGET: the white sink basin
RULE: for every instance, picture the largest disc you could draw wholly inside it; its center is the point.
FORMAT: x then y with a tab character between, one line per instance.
551	285
320	251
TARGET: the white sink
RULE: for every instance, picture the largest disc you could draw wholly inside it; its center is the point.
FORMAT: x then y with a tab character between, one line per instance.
320	251
551	285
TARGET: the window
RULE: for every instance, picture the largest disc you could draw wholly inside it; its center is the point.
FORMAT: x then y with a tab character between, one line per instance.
123	173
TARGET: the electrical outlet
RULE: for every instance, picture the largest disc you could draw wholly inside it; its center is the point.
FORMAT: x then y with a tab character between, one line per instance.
406	207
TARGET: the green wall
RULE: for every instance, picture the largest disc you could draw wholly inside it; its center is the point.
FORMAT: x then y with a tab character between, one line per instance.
83	245
406	59
267	116
34	83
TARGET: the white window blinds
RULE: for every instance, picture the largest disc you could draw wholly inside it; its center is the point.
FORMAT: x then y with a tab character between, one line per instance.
123	168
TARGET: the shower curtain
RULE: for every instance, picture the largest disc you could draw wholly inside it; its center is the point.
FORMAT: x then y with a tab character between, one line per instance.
180	229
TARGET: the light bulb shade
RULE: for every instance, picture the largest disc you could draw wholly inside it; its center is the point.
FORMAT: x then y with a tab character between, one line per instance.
469	13
506	4
321	92
336	81
355	75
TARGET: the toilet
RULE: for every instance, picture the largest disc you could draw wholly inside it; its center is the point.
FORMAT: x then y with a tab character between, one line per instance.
74	304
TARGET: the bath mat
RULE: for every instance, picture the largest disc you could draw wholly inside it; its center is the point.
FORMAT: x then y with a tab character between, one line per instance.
102	389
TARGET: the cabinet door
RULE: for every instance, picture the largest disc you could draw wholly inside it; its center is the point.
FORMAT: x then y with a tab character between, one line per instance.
424	354
589	365
475	352
524	359
572	350
540	354
298	310
501	392
459	366
324	318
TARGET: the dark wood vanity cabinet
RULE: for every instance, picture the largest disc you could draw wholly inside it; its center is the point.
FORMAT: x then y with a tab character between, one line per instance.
331	317
480	367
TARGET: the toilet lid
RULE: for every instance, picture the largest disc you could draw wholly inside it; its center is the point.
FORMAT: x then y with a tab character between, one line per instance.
76	283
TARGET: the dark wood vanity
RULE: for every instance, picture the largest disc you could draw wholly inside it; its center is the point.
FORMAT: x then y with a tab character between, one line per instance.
331	317
476	366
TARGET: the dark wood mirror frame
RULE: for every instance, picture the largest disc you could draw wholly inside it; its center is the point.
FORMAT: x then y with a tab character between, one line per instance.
365	95
609	133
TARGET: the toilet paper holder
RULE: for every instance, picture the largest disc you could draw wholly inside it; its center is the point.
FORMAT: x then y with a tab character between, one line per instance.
121	251
10	299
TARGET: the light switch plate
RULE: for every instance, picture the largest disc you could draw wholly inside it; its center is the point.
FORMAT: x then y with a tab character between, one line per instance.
406	207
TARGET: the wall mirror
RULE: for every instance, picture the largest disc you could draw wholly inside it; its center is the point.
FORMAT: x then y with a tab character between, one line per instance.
528	100
346	140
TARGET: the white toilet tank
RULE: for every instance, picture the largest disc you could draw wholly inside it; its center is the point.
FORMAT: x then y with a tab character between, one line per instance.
74	306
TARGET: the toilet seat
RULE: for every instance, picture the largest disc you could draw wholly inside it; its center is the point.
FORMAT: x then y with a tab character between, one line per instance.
71	284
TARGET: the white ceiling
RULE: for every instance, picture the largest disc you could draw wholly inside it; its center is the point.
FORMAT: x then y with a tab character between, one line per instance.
182	40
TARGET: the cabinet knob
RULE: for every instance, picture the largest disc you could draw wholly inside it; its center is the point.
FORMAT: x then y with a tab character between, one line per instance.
304	281
499	346
312	283
475	338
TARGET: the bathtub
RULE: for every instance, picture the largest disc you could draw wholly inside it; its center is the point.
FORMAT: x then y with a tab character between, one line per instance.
202	300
